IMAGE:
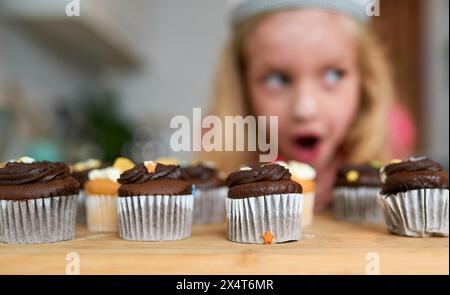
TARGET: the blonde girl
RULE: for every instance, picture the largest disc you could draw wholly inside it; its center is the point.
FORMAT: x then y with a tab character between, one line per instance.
317	66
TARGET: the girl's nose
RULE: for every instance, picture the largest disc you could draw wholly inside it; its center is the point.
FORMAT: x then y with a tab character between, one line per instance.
305	106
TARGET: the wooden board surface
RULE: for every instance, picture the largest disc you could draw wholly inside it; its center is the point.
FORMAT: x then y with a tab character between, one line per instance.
328	247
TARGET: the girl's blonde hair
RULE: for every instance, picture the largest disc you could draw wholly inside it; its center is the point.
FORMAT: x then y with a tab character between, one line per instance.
368	138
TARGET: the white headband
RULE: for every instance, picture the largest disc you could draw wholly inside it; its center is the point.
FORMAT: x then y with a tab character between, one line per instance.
243	9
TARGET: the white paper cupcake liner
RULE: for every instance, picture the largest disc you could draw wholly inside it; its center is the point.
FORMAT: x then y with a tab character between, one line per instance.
101	213
357	204
248	219
155	218
45	220
209	205
308	209
417	213
81	211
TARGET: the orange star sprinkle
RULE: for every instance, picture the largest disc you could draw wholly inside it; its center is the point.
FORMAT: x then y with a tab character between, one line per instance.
267	237
151	167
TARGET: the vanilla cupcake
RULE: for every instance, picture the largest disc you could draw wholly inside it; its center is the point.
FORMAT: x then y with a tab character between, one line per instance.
80	172
305	175
38	202
264	205
356	193
155	203
209	194
101	196
414	198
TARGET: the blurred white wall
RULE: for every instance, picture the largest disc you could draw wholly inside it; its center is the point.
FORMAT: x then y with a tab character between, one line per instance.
178	43
181	42
43	74
436	75
32	76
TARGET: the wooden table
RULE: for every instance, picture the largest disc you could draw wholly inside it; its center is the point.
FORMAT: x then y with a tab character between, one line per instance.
328	247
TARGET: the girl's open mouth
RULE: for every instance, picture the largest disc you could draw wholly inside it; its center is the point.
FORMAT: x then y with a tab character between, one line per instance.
307	148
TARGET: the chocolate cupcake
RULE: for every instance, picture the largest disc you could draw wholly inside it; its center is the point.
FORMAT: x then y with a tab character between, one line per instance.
80	172
38	203
414	198
155	203
356	193
263	205
209	194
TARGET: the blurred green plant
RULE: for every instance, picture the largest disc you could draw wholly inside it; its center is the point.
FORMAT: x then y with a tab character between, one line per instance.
105	125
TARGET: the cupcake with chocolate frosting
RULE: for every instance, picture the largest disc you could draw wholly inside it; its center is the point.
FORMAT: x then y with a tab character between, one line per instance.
414	197
38	202
155	203
356	193
209	194
263	205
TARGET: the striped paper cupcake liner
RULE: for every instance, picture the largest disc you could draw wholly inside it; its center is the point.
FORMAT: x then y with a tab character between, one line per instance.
308	209
155	218
81	210
101	213
279	216
209	205
358	205
417	213
37	221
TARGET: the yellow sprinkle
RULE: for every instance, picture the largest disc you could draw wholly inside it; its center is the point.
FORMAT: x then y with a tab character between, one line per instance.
2	165
123	164
86	165
168	161
352	175
79	167
396	161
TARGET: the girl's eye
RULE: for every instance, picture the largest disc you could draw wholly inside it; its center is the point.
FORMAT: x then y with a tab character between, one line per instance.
332	76
276	80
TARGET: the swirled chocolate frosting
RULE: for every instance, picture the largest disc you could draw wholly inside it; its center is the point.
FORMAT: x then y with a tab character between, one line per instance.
366	176
271	172
140	174
264	180
165	180
204	176
20	173
36	180
412	165
415	173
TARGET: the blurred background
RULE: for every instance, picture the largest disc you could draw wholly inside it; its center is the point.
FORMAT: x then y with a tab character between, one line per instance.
108	82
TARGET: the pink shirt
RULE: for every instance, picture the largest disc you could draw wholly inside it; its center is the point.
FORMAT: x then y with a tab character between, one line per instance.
402	132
